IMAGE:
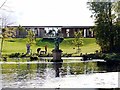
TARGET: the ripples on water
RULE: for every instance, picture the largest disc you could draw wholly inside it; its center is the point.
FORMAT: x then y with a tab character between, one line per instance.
42	74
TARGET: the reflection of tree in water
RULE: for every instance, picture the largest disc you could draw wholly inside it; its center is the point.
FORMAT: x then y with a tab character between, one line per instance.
40	70
47	70
22	72
29	71
73	68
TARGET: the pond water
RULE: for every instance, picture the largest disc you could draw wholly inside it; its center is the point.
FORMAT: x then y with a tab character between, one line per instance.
69	74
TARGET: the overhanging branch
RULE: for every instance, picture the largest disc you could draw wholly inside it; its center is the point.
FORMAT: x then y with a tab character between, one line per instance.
3	4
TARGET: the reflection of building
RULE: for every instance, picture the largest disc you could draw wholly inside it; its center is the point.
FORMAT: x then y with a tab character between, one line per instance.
66	31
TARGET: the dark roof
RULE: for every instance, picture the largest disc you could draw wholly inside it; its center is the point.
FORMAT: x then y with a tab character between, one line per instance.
38	26
82	27
57	26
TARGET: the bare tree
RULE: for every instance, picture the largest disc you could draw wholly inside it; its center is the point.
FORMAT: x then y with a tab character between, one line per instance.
1	27
3	4
4	22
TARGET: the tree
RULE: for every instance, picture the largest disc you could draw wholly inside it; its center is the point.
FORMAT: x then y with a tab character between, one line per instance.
5	20
3	4
5	31
78	41
8	32
22	31
117	10
30	37
105	28
30	40
117	25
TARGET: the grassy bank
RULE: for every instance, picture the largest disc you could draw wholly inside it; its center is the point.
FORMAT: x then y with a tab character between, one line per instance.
19	45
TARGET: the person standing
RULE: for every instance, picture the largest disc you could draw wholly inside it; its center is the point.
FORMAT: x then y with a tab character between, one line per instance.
45	49
28	48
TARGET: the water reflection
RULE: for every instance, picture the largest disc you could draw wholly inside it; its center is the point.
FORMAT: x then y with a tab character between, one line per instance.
36	75
57	67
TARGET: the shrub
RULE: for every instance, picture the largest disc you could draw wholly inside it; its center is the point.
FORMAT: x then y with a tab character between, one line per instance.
14	55
112	56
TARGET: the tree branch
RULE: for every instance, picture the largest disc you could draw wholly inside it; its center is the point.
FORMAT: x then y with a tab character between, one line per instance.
3	4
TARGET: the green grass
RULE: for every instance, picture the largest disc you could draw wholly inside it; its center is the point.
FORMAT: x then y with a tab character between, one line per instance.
19	45
89	45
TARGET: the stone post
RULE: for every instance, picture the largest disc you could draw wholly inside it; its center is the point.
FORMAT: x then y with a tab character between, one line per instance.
57	55
84	32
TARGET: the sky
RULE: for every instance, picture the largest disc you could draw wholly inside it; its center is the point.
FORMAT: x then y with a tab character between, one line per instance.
48	12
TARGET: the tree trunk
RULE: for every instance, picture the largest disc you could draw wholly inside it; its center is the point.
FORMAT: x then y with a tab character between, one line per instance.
111	30
1	47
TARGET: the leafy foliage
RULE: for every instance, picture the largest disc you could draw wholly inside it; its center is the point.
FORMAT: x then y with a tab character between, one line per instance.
22	31
8	32
78	41
14	55
106	30
30	37
117	10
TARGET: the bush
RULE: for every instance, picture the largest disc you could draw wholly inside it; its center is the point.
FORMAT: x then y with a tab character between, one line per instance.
14	55
23	55
112	56
33	58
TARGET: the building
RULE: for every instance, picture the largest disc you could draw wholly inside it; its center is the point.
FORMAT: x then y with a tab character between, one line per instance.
66	31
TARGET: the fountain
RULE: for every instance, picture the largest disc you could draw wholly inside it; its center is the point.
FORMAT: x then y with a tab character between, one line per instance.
56	51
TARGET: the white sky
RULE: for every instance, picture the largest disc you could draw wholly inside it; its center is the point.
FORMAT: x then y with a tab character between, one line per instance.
49	12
